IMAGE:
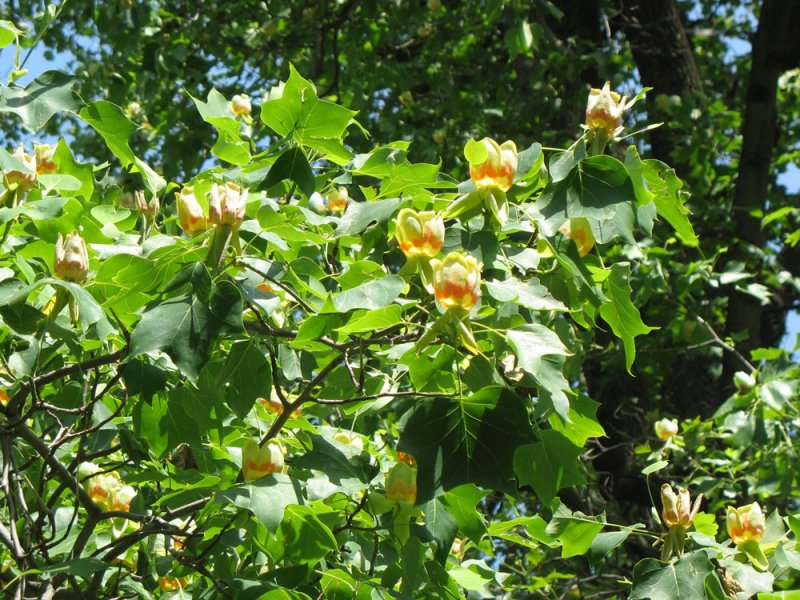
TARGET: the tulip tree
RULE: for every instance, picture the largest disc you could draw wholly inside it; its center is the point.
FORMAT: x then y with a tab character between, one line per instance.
306	372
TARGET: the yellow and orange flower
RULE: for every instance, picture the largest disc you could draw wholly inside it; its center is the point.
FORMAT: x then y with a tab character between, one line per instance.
337	200
43	153
579	231
666	428
401	484
604	110
25	180
745	524
419	233
190	213
456	281
258	461
677	508
227	203
497	169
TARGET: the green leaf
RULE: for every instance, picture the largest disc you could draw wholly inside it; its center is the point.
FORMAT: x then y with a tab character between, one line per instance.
438	526
460	503
620	313
581	423
186	327
680	580
43	97
549	465
304	537
115	128
82	567
539	351
83	172
666	186
530	294
340	468
295	109
575	531
267	498
229	146
656	466
475	152
471	440
9	33
371	295
249	376
604	543
412	565
361	215
293	165
373	320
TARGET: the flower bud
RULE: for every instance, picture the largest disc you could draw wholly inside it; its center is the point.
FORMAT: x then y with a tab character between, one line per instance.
604	110
240	105
746	523
678	509
43	153
72	258
134	111
337	200
579	231
101	487
149	209
4	398
317	203
227	204
744	382
24	179
258	461
456	281
401	484
190	213
419	233
666	428
497	169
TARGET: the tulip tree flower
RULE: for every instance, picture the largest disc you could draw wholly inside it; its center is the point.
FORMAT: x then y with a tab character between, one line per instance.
604	110
419	233
258	461
44	156
401	484
23	179
580	232
72	258
678	514
337	200
4	398
456	281
666	428
240	105
190	213
492	167
227	204
744	382
746	528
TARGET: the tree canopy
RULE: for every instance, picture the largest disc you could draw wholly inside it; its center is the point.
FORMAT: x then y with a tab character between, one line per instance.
400	299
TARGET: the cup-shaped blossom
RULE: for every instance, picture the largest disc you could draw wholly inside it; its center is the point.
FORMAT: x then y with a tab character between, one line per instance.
240	105
72	258
121	498
666	428
580	232
227	204
456	281
337	200
4	398
745	524
401	484
258	461
101	487
349	439
23	179
497	168
604	110
677	508
43	154
190	213
419	233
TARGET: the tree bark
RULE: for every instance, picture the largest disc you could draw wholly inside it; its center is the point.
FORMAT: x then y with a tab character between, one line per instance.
776	48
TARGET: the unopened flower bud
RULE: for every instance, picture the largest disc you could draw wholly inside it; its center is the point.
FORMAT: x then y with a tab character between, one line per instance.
401	484
496	165
227	204
24	179
419	233
190	213
456	281
44	153
149	209
258	461
744	382
240	105
580	232
337	200
604	110
349	439
746	523
317	203
72	258
666	428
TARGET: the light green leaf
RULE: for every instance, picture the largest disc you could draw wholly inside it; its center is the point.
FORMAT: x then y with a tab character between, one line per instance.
581	423
370	295
620	313
680	580
373	320
304	537
267	498
229	146
549	465
361	215
43	97
575	531
530	294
